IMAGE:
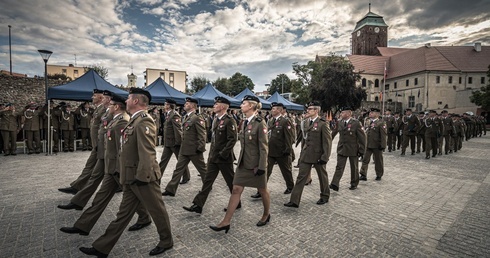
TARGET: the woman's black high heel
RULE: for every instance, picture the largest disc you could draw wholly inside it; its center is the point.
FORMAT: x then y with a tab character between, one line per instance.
263	223
225	228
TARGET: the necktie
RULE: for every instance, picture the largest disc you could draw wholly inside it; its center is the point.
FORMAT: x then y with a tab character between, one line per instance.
345	123
311	122
245	124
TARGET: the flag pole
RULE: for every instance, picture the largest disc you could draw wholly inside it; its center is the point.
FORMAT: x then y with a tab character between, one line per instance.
383	95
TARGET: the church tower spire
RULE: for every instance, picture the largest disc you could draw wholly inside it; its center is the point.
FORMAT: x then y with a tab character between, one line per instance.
370	33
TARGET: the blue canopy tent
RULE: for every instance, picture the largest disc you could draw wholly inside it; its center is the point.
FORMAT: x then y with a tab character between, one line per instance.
265	104
82	88
206	96
288	104
160	90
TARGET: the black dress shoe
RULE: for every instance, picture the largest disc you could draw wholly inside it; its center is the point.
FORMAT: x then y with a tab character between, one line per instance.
167	193
321	201
402	154
6	154
13	154
334	187
363	178
194	208
288	191
159	250
378	178
225	228
418	151
352	187
138	226
92	251
256	196
239	206
413	152
434	155
73	230
183	182
70	206
291	205
69	190
263	223
440	153
427	157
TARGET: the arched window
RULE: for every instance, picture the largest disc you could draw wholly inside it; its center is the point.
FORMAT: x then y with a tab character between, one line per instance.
376	98
376	83
363	82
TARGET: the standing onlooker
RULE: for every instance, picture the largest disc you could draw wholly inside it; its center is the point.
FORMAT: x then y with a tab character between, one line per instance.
9	128
32	128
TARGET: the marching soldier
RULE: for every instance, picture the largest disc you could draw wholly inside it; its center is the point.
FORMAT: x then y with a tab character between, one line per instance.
390	125
411	123
376	144
316	153
172	138
447	133
193	146
351	145
421	133
140	177
155	114
433	131
221	157
67	127
110	183
458	132
398	131
32	127
84	111
9	128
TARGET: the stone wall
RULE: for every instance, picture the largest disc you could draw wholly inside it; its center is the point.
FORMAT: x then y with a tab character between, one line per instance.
22	90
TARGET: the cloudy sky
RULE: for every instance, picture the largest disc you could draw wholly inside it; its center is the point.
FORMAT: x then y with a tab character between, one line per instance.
217	38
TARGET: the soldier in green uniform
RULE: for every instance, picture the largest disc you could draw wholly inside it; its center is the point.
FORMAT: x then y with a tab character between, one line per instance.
351	145
54	123
399	131
172	138
376	144
101	103
458	132
192	148
390	126
447	133
315	153
67	127
32	128
433	131
140	175
252	163
110	183
221	157
9	128
84	111
421	133
411	123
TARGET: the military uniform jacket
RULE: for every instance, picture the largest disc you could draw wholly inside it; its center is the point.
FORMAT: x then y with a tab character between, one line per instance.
99	112
448	125
398	126
433	127
410	124
113	142
352	138
172	130
223	140
458	128
55	121
9	121
101	134
193	135
32	120
376	134
391	125
67	120
138	160
318	142
281	136
254	142
85	117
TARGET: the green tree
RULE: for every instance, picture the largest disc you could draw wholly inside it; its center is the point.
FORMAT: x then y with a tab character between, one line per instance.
301	94
482	97
280	84
197	83
99	69
59	76
239	82
223	85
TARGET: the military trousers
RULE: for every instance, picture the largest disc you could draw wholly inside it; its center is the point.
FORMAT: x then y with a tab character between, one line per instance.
406	140
304	171
391	141
431	144
150	197
110	184
447	143
83	178
339	170
166	155
378	162
33	141
399	141
82	197
9	141
420	142
456	143
182	162
213	169
68	140
55	137
285	165
86	141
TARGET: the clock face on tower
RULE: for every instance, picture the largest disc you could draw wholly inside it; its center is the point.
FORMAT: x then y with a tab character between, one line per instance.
358	33
376	29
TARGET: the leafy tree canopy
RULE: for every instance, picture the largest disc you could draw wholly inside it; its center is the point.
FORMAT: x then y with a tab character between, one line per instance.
99	69
482	97
223	85
280	84
239	82
197	83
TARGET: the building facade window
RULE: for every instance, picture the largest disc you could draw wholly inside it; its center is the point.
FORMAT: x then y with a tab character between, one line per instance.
411	101
450	79
63	71
460	80
363	83
162	75
407	83
376	83
470	80
416	81
75	73
482	80
439	102
395	85
387	86
438	79
376	98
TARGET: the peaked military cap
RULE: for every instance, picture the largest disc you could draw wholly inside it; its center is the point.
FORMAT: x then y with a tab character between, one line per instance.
191	100
408	109
118	99
250	97
277	104
107	93
170	101
221	99
348	108
134	90
98	91
313	103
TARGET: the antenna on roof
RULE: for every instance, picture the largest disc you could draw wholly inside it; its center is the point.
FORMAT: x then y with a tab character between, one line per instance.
131	68
369	6
75	59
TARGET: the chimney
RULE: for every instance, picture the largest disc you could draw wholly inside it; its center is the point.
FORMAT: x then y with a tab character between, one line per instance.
70	65
478	47
427	45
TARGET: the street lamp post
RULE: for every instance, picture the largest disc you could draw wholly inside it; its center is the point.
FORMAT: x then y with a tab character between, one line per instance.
45	54
10	49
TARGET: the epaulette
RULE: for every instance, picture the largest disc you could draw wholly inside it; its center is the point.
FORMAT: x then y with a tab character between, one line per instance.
258	119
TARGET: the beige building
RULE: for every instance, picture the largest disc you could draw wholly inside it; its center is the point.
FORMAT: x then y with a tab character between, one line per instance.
176	79
70	71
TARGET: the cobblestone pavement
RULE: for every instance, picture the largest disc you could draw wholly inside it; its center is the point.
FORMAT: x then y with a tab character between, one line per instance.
422	208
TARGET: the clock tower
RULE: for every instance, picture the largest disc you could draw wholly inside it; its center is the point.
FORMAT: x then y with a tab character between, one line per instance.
370	32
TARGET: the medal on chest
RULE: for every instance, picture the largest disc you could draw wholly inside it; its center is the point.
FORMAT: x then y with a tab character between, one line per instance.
315	126
109	135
